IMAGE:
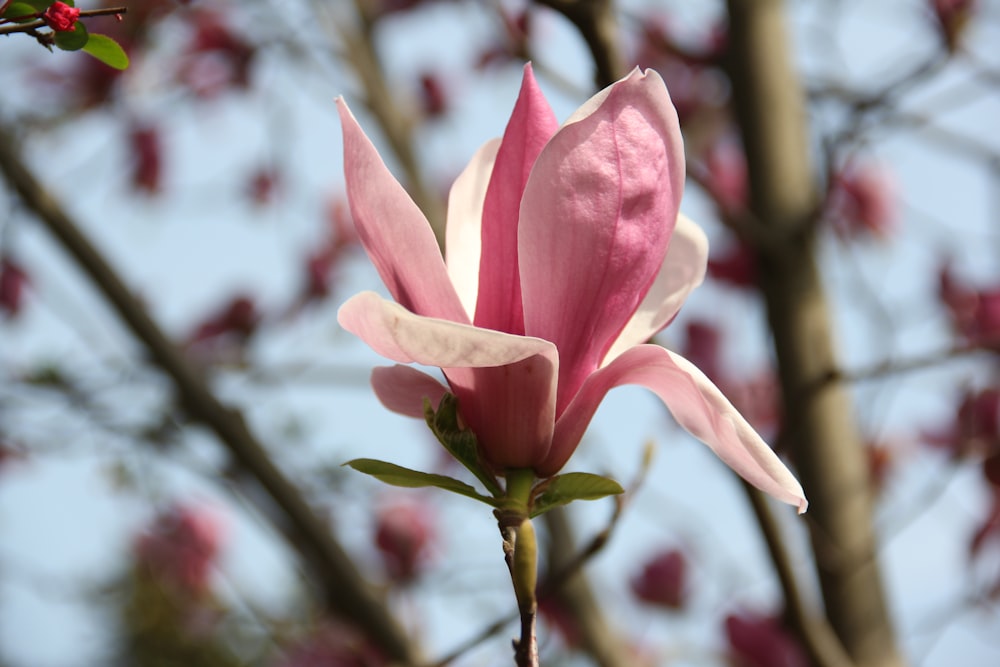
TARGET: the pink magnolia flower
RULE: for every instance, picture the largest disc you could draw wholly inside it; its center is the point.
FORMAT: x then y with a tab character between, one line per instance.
565	253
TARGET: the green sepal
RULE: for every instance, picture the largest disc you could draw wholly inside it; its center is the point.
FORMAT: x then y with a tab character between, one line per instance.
414	479
107	50
460	442
564	489
72	40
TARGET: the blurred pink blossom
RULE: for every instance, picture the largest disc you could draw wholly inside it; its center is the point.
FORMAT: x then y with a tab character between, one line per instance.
333	644
182	546
13	282
976	426
663	580
952	17
147	158
726	178
974	313
863	200
218	57
403	533
237	319
690	71
736	266
762	641
433	95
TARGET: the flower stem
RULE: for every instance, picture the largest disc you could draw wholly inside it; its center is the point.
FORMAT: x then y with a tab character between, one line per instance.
521	554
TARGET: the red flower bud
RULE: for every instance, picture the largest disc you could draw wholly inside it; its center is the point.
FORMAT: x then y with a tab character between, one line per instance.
61	17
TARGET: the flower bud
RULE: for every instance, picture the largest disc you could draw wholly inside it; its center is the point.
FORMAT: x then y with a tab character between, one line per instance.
61	17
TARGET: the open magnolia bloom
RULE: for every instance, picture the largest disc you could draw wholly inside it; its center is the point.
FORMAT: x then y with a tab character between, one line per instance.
565	253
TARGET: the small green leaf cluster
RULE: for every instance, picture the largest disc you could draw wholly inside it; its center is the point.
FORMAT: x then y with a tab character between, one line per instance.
104	48
461	443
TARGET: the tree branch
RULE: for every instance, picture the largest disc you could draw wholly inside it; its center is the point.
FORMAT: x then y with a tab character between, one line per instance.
825	443
604	645
595	20
40	23
343	587
824	648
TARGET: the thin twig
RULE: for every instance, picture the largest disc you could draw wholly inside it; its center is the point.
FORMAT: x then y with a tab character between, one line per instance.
822	644
595	21
40	23
885	368
551	584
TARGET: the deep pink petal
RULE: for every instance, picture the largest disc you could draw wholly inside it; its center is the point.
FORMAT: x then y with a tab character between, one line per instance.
596	218
505	384
394	232
403	389
463	233
683	269
398	334
511	409
531	125
697	405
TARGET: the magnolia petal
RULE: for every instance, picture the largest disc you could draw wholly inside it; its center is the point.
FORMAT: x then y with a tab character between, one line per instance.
596	218
463	232
697	405
510	408
403	389
397	334
395	234
531	125
683	269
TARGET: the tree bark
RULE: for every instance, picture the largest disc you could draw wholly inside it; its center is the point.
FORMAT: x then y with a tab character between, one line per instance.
819	426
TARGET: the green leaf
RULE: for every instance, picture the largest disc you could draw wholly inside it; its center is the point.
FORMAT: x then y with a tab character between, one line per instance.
460	443
73	40
107	50
414	479
563	489
23	11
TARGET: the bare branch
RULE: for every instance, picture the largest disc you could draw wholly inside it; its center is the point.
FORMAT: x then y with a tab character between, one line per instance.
595	19
344	589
